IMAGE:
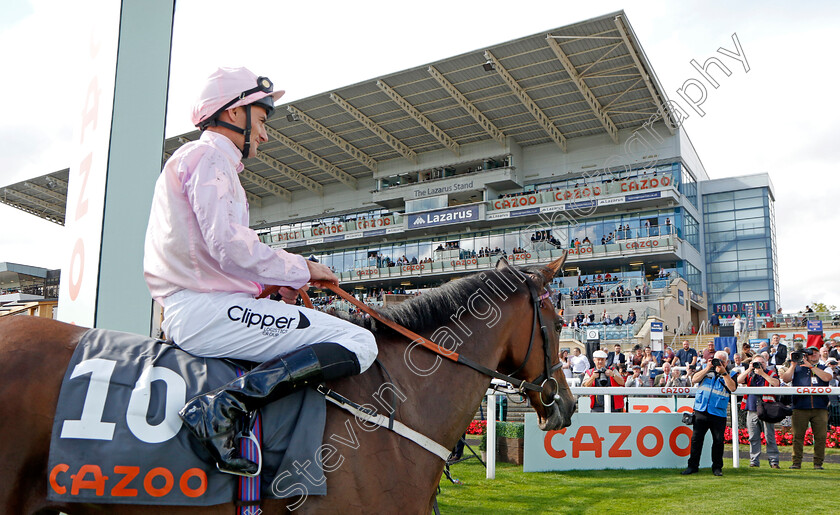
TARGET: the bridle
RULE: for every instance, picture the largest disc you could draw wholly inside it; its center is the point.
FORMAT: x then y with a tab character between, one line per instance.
538	385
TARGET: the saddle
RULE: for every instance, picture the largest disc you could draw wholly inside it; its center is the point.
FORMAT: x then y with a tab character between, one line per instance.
117	436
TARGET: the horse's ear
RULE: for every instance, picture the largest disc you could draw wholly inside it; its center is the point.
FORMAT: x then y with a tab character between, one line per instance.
555	267
501	264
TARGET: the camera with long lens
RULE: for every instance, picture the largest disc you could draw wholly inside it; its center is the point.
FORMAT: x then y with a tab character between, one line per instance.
716	363
797	357
602	380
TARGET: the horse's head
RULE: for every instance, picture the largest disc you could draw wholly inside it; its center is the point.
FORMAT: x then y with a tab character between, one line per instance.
533	352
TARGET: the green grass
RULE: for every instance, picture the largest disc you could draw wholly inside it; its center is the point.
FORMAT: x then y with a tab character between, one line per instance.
761	491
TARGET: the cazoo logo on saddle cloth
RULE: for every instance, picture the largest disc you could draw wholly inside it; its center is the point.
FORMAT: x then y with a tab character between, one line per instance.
269	324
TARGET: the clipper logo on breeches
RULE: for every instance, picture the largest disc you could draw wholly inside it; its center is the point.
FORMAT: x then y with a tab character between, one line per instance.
269	324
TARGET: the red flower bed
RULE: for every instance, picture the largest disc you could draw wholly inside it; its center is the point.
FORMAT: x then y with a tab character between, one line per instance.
784	437
477	427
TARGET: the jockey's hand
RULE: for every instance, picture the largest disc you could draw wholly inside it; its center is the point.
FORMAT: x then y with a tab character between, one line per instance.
320	273
289	295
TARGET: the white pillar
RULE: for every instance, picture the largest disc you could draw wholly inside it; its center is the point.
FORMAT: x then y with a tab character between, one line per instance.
491	436
736	455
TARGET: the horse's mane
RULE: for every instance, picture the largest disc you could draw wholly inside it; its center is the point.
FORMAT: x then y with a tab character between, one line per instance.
434	307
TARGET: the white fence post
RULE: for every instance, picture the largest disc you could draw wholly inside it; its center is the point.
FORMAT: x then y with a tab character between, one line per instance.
736	453
491	436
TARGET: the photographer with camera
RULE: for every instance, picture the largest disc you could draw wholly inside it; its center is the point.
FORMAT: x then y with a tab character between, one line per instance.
713	388
805	370
759	375
603	377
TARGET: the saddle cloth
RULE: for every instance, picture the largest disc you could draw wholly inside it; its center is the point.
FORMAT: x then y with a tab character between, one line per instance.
117	437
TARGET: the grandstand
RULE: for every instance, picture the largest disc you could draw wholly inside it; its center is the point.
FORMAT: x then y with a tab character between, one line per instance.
560	141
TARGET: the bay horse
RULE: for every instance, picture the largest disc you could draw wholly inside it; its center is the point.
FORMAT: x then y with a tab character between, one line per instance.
489	317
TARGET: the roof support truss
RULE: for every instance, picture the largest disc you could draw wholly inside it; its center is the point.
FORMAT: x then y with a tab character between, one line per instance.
373	127
590	98
543	120
41	214
412	111
336	140
313	158
46	191
46	206
473	111
253	200
265	184
293	174
670	123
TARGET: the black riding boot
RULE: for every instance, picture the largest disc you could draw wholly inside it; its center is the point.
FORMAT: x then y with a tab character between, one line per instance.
216	417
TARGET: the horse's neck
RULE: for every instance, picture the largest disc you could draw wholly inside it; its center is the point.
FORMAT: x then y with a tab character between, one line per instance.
441	396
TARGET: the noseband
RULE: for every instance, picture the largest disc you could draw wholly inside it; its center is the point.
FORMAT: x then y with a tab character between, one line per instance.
538	385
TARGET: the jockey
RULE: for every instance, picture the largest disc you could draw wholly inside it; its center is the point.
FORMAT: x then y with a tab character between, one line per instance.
205	266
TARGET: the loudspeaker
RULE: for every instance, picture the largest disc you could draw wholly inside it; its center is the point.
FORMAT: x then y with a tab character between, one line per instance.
727	330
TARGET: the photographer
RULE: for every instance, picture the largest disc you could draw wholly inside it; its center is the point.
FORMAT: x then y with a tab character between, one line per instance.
805	370
602	376
713	388
759	375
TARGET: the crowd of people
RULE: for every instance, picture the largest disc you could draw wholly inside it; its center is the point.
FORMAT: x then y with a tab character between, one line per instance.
717	376
589	319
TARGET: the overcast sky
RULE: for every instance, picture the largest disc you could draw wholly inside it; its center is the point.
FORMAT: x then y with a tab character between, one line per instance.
781	117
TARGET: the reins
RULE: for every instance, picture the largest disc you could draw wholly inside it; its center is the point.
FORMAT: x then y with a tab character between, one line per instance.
520	384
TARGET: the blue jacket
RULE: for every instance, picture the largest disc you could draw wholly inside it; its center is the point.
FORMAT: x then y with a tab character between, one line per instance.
712	396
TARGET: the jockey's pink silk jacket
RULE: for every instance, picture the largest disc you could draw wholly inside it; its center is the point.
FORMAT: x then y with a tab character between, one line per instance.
198	236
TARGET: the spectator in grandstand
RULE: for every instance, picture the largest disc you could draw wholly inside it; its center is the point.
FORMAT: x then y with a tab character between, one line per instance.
714	324
823	355
834	351
740	326
649	363
579	364
709	351
638	355
747	354
710	405
736	365
668	356
566	364
631	317
618	320
616	356
687	355
805	370
602	376
635	378
777	350
758	374
638	292
202	262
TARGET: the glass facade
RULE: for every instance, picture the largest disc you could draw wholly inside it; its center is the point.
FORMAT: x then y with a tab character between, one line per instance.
740	248
641	224
691	230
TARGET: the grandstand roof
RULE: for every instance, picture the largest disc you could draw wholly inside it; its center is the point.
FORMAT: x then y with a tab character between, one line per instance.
586	78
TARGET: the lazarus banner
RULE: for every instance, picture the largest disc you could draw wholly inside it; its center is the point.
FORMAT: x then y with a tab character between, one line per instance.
452	215
598	441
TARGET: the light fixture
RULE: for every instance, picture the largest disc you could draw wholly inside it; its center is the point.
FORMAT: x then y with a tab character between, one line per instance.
405	284
293	117
489	66
636	264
